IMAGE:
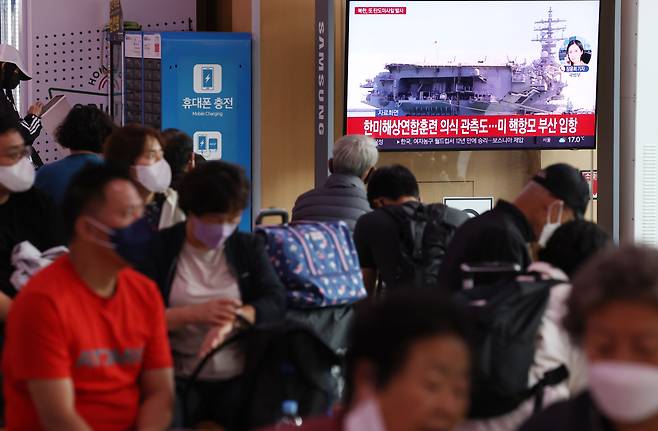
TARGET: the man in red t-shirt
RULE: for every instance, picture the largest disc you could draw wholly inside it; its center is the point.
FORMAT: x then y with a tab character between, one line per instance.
86	341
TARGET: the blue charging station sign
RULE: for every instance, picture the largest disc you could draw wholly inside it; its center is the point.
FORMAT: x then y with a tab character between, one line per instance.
206	92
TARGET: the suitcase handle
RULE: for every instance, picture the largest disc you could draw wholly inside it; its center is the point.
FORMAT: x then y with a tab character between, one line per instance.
273	212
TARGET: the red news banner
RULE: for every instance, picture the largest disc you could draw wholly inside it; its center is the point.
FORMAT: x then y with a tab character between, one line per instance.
476	126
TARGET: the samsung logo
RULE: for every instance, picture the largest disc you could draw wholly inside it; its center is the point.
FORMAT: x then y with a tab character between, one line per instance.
322	78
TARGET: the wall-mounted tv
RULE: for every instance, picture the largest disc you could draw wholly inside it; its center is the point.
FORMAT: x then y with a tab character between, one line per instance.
469	75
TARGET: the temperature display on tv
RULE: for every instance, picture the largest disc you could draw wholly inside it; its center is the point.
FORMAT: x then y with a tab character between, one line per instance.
468	75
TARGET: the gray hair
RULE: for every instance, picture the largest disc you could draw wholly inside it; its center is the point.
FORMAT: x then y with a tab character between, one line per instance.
354	155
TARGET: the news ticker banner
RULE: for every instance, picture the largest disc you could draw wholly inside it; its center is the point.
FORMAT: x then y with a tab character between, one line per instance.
479	132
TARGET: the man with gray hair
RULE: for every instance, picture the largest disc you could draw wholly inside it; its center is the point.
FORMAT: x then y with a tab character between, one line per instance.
343	196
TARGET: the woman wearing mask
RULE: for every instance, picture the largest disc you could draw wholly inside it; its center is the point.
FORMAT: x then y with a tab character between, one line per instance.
613	315
213	280
140	149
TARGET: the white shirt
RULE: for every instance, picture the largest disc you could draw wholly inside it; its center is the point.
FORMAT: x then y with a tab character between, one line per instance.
202	276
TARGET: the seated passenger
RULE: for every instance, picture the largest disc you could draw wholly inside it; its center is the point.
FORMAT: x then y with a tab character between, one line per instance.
26	214
140	149
213	280
572	245
613	315
178	149
554	196
343	195
83	131
86	341
379	234
407	368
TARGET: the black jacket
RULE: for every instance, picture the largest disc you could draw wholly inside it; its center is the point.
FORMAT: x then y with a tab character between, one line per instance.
577	414
259	285
500	235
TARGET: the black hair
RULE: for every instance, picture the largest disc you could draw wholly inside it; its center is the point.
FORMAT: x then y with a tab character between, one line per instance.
178	147
214	187
85	128
573	244
585	57
383	332
86	189
624	274
392	182
8	123
126	144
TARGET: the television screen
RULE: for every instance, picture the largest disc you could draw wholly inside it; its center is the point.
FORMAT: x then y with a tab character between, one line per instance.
468	75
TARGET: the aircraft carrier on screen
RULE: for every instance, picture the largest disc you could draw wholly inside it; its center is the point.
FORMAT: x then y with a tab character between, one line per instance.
476	89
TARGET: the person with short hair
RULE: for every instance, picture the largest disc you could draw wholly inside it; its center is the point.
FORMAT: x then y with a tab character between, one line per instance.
139	149
555	195
377	235
83	132
214	280
26	214
178	149
613	315
573	245
86	340
343	196
407	367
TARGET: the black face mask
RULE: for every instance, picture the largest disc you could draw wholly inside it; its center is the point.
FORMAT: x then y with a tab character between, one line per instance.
9	76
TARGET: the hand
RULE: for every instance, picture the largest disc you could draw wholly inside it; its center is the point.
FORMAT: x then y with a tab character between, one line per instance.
218	312
36	109
214	338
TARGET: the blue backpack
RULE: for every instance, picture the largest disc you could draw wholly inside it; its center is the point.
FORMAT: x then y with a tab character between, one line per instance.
317	263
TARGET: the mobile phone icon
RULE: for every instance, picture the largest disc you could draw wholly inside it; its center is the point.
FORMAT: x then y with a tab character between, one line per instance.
208	144
208	78
202	143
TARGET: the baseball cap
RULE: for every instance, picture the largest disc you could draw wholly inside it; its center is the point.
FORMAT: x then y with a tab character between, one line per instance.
9	54
567	184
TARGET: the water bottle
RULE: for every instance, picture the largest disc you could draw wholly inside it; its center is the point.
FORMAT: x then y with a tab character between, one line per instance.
289	409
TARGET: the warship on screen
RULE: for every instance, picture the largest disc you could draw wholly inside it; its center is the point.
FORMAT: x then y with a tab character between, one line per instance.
480	89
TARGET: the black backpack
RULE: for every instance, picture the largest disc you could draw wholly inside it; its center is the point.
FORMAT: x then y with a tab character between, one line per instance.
284	361
506	316
424	237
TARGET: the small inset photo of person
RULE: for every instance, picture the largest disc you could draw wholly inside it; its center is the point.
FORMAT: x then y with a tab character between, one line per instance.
575	52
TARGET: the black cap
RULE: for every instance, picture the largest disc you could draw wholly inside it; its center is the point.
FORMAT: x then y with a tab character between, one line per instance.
567	184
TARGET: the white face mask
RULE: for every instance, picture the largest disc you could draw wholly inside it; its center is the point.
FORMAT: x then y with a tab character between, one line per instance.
624	391
155	178
365	416
551	227
19	177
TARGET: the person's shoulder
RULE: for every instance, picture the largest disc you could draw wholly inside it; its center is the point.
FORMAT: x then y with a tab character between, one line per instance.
139	286
52	280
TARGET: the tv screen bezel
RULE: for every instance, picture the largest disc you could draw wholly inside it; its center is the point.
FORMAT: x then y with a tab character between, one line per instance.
346	48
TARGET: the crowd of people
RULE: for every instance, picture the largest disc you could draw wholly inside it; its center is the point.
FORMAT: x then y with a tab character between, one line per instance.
526	317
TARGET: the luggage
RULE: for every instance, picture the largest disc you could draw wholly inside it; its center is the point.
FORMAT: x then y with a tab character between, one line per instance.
425	234
317	262
506	316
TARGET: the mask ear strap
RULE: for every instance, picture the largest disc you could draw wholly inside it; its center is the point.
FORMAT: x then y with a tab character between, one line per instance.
100	226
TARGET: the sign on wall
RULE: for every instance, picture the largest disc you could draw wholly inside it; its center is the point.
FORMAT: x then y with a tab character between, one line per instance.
206	92
471	206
